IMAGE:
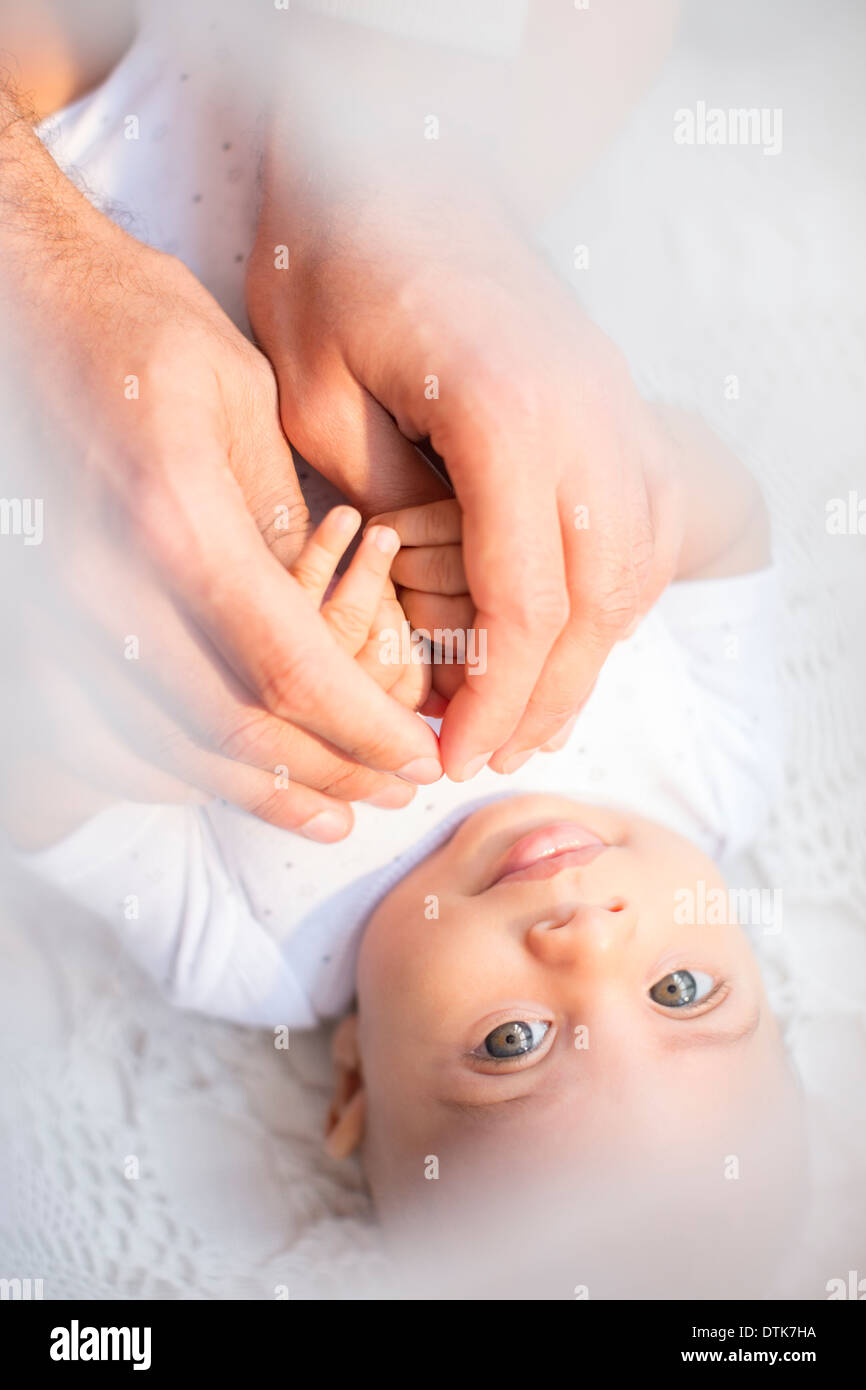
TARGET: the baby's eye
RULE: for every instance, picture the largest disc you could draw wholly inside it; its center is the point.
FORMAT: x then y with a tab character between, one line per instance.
682	987
514	1039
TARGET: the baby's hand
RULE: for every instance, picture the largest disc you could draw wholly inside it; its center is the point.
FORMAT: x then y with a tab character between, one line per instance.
361	607
432	582
433	590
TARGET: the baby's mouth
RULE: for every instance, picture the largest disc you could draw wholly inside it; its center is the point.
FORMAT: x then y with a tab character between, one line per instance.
548	851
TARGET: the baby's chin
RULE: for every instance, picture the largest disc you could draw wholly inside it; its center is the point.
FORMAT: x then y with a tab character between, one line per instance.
489	831
469	858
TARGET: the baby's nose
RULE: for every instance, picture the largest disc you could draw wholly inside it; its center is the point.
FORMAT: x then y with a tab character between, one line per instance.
583	931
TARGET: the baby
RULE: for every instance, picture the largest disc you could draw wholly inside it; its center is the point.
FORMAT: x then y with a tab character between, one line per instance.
524	968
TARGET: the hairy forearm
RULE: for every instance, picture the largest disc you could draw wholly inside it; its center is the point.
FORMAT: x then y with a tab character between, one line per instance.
37	203
55	247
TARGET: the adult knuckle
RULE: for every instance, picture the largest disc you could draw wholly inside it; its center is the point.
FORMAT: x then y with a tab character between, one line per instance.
260	374
554	710
542	607
442	570
605	378
643	557
505	376
272	806
288	686
173	749
245	737
156	523
349	783
611	608
380	750
281	518
349	620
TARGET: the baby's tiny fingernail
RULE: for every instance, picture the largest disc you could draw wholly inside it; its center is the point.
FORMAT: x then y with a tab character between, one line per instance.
421	770
517	760
325	826
385	538
346	519
474	766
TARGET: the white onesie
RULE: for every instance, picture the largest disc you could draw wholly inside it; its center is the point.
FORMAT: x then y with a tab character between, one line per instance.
237	918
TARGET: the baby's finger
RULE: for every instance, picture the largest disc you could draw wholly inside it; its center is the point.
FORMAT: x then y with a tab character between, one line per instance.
352	608
435	705
438	569
447	680
433	523
315	566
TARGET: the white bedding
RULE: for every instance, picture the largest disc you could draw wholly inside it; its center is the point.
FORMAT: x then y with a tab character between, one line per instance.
740	264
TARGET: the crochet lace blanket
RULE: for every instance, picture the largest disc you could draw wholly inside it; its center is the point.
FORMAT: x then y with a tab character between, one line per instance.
149	1153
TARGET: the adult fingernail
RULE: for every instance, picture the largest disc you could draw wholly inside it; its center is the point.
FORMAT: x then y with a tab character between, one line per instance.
325	826
474	766
421	770
516	760
391	797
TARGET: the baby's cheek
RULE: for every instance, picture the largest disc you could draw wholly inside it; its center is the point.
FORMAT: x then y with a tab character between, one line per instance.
410	943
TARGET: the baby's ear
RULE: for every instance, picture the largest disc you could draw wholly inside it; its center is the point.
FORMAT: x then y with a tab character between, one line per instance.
344	1129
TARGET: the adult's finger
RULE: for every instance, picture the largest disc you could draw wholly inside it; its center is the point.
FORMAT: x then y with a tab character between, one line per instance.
432	523
607	566
445	620
258	617
175	666
139	723
514	564
438	569
261	459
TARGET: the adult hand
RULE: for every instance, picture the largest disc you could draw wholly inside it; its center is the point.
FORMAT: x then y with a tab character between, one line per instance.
180	510
427	316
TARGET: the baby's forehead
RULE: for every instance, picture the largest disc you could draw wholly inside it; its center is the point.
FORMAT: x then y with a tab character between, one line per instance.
516	1151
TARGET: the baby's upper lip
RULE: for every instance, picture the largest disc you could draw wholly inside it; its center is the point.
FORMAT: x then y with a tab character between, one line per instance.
549	850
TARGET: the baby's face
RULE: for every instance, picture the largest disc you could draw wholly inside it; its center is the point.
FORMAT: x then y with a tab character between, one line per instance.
530	978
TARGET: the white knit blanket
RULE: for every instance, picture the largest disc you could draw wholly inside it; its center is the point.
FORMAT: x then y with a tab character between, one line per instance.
151	1153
